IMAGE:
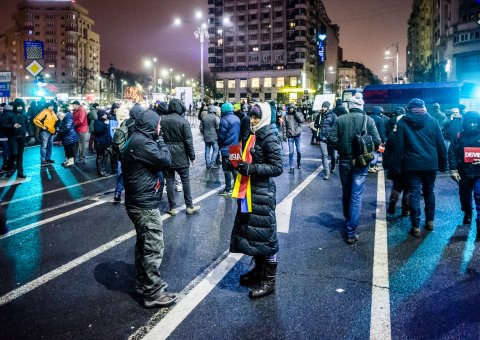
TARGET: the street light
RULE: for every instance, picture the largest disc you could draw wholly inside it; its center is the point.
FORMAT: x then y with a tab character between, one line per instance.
201	32
124	82
152	63
387	53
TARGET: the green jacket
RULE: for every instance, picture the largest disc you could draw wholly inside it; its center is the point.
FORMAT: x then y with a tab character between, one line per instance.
345	129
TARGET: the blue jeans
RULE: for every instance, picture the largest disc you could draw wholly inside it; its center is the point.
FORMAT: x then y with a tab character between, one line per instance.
418	182
119	187
294	141
211	156
47	144
230	175
353	184
324	155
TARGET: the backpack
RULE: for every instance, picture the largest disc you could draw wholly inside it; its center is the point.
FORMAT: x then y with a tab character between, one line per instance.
362	147
122	134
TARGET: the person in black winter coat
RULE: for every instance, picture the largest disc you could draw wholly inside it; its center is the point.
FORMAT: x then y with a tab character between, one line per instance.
419	153
324	122
17	125
255	230
339	109
177	135
103	139
143	157
5	110
378	118
465	166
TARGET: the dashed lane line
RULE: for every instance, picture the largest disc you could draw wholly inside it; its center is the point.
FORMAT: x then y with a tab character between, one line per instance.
28	287
29	197
380	321
283	210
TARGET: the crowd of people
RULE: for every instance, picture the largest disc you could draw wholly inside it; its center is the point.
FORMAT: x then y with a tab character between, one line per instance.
148	147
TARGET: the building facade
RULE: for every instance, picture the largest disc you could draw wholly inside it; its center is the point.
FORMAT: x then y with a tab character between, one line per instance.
284	50
72	50
444	41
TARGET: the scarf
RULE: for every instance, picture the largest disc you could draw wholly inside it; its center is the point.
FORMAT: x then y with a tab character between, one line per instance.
242	188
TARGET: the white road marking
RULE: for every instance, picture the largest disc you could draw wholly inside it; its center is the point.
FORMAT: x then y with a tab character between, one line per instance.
16	293
181	310
55	190
4	182
284	209
59	206
51	219
380	322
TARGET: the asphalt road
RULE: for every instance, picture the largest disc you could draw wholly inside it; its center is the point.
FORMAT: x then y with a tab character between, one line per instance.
67	272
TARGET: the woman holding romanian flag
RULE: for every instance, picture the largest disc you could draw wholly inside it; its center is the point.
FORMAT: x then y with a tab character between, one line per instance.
255	229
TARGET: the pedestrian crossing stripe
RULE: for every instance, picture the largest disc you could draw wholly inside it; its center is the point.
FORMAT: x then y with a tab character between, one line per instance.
34	68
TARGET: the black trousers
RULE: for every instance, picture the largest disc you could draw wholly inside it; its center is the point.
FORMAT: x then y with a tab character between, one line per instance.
17	146
69	150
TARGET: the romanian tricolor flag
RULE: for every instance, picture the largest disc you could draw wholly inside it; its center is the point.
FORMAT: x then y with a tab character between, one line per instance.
242	188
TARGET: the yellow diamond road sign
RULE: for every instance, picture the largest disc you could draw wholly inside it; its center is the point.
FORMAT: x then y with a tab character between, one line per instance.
34	68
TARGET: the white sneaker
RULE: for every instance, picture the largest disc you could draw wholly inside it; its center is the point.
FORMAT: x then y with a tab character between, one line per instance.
193	209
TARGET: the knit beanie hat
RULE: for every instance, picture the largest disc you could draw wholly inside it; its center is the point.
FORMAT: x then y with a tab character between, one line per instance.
256	111
416	105
378	110
227	107
357	101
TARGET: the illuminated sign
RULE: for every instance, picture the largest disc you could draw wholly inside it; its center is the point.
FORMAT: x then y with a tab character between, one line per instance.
321	51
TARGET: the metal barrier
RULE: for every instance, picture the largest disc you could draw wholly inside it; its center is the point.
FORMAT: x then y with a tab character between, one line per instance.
191	117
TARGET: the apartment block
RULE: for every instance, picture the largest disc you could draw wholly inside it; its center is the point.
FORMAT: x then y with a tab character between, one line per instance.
284	50
72	49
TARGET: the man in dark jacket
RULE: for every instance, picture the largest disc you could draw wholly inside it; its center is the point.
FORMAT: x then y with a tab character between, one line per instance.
339	109
5	110
378	118
17	125
143	157
177	134
325	121
209	126
352	176
419	153
465	168
228	135
293	126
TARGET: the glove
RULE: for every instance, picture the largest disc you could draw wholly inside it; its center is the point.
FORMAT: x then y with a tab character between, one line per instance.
244	168
455	175
476	161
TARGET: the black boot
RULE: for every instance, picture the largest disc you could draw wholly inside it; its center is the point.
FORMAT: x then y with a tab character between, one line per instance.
267	284
392	204
254	276
405	204
467	218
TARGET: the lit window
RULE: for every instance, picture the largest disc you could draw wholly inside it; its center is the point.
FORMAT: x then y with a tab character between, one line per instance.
231	84
255	49
243	83
267	82
219	84
280	82
256	82
293	81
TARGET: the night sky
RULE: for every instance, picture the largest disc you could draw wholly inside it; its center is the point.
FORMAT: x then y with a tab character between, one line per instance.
131	30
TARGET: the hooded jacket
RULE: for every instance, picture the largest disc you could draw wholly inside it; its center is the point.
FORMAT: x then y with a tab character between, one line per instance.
419	144
143	157
466	138
209	126
17	117
346	127
46	119
325	121
255	233
80	120
177	135
229	131
293	123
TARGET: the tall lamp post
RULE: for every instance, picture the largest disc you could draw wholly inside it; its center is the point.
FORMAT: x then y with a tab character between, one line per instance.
387	53
124	82
152	63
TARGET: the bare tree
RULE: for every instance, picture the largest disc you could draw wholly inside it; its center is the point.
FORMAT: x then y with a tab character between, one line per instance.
83	76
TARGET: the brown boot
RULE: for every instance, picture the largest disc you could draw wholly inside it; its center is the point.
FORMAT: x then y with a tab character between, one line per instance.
267	284
392	204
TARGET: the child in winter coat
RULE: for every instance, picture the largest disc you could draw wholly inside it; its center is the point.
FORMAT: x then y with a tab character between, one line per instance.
464	163
103	139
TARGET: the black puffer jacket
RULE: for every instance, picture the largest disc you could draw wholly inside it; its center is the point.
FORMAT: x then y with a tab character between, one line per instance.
17	117
142	158
466	138
325	121
255	233
177	135
419	144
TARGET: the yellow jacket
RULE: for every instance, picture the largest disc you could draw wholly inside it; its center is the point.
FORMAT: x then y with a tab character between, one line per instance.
46	119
